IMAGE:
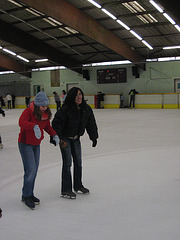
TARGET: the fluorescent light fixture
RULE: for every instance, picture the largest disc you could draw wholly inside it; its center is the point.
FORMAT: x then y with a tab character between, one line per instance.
165	59
169	18
6	72
122	24
177	27
55	21
136	35
109	14
32	12
156	6
177	58
41	60
50	22
171	47
17	4
147	44
0	47
22	58
8	51
94	3
71	30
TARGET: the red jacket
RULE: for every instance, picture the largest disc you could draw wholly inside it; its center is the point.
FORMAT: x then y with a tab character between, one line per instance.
27	121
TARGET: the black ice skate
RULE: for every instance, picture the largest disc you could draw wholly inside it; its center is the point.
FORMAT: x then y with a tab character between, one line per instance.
28	202
82	190
69	194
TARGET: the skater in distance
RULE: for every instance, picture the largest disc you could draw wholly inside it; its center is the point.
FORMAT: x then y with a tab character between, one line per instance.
32	122
70	123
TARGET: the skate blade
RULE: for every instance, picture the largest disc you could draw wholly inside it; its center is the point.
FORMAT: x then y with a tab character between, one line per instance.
27	206
68	197
79	192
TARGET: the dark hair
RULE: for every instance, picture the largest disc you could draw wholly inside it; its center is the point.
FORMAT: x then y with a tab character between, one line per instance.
54	92
71	96
38	113
64	92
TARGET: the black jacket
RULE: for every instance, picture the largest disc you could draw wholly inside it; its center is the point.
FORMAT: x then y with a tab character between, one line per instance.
69	122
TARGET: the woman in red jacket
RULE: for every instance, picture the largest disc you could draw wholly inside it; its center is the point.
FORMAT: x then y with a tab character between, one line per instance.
32	122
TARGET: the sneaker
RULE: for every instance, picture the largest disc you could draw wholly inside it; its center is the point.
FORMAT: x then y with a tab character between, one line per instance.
68	194
82	190
1	145
28	202
35	200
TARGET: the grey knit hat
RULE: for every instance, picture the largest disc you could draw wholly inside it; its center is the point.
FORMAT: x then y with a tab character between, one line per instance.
41	99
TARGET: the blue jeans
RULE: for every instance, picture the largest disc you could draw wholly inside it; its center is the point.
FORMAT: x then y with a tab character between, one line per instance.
30	156
71	152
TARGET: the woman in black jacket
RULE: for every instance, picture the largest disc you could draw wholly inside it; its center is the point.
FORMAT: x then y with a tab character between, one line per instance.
70	122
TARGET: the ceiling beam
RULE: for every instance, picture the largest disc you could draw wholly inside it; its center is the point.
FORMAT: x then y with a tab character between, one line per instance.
83	23
34	45
12	65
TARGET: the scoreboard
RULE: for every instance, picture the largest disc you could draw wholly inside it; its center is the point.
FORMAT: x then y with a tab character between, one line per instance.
112	75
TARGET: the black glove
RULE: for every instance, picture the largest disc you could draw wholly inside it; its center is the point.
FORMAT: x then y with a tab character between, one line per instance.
94	143
3	114
52	141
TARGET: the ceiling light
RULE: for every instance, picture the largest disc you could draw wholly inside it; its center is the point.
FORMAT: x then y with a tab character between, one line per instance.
169	18
94	3
136	35
55	21
0	47
24	59
8	51
31	11
48	21
147	44
41	60
109	14
156	6
177	27
71	30
17	4
171	47
122	24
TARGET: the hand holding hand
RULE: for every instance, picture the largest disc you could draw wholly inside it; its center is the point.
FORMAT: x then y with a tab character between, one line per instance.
37	131
94	143
54	140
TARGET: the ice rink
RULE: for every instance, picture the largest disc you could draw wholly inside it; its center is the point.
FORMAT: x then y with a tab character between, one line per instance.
133	175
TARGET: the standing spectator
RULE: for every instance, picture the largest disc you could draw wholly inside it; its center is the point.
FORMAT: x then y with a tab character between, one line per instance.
63	96
98	100
57	100
70	123
13	100
3	114
102	100
9	99
121	100
27	100
0	213
132	94
32	122
2	102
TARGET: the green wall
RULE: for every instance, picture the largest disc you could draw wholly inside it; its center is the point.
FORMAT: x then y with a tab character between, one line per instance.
158	78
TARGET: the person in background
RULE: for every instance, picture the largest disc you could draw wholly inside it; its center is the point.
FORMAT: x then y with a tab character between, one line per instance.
13	100
70	123
2	102
63	96
98	100
0	213
27	100
32	122
8	99
132	94
121	100
102	100
3	114
57	100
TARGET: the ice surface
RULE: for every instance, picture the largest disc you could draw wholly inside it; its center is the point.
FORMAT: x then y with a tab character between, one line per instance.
133	175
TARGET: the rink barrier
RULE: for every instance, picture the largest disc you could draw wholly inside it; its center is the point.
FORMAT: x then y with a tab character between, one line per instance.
158	101
112	101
